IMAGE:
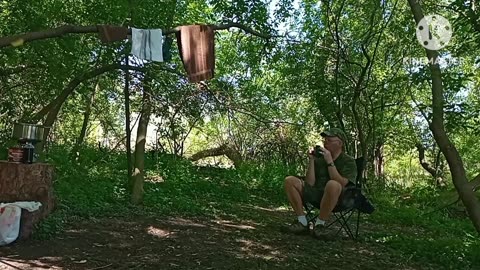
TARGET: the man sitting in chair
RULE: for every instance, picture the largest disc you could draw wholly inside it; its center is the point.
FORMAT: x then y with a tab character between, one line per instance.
325	182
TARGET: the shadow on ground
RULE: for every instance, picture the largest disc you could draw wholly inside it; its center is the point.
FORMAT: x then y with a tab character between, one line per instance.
194	243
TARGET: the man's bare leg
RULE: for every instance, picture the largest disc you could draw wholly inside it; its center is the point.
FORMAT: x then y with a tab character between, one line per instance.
294	190
332	192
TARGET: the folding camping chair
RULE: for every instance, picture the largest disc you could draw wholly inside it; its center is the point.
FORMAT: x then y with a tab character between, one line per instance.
353	201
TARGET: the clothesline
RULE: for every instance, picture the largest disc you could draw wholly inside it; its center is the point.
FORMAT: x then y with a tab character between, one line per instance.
76	29
195	43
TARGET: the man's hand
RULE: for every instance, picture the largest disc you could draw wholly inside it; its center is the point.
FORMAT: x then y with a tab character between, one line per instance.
327	155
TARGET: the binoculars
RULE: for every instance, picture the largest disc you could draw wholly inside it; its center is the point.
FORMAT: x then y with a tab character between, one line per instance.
317	152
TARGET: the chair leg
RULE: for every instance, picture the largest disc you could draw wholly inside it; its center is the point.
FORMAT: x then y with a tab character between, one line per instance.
310	214
337	219
342	218
345	225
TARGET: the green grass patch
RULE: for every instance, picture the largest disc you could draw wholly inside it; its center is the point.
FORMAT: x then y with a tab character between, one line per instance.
412	226
403	221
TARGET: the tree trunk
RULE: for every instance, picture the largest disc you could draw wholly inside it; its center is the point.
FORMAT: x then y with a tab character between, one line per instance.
361	134
358	121
455	163
440	180
378	159
52	115
224	149
139	163
126	93
86	119
86	116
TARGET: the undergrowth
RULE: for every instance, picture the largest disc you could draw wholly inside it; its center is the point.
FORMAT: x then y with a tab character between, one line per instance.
95	186
415	223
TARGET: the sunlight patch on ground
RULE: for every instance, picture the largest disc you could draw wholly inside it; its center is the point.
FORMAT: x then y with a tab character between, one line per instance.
283	208
117	234
362	251
11	264
76	231
229	223
276	209
51	259
159	232
253	249
250	244
186	222
279	211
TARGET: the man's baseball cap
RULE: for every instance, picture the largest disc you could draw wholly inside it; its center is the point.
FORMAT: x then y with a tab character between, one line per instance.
335	132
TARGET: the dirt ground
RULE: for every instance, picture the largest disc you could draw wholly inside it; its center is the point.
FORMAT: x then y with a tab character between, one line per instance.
195	243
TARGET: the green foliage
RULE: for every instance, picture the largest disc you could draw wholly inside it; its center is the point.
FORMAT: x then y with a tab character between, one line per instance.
268	100
266	178
174	185
51	225
95	187
422	232
404	220
404	170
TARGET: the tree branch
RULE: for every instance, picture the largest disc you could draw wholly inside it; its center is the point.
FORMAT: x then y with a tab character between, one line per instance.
244	111
423	162
74	83
244	28
475	183
84	77
223	149
77	29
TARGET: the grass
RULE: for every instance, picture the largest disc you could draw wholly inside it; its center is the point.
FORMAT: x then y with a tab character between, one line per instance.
423	234
95	187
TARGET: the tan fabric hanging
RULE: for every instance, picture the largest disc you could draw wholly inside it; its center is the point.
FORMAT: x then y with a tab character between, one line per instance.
196	44
109	33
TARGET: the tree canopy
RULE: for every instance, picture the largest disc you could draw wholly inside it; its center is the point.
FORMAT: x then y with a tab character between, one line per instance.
284	71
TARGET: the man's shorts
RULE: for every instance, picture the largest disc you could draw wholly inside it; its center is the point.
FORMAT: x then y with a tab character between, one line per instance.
311	194
314	195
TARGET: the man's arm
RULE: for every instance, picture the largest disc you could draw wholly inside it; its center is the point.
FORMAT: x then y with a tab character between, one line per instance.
310	176
335	175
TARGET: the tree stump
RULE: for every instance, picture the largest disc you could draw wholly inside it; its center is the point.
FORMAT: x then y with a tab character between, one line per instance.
28	182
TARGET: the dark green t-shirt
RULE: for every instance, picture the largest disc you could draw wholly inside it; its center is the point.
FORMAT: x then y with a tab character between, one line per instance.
345	165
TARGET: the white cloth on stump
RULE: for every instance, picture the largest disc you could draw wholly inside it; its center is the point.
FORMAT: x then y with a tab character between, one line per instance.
10	214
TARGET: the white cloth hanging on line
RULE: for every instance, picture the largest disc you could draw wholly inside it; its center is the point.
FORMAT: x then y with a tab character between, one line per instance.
147	44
